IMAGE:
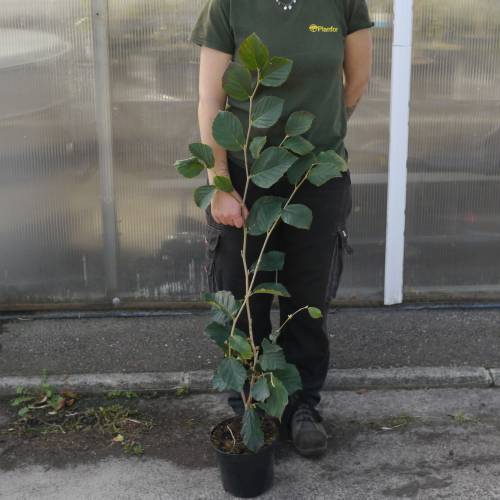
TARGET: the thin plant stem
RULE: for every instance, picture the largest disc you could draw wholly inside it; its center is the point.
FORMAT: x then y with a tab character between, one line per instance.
290	316
232	435
249	283
245	303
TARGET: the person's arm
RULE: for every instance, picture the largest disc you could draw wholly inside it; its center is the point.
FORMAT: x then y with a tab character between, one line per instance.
212	99
357	67
225	207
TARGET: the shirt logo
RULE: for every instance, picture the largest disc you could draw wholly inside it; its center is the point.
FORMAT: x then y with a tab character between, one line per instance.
315	28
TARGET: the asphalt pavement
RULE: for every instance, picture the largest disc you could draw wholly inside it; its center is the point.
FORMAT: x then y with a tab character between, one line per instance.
423	444
173	341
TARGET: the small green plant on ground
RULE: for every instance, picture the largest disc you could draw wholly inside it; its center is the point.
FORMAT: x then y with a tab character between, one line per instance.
121	394
270	377
182	390
133	448
44	398
461	418
44	410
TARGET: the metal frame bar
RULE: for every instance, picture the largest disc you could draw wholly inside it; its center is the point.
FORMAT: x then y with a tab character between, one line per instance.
100	36
398	151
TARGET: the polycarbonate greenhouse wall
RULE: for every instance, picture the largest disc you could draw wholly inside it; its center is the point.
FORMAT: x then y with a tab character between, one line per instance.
95	111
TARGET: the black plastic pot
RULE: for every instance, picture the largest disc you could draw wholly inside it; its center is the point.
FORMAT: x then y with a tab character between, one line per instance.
246	475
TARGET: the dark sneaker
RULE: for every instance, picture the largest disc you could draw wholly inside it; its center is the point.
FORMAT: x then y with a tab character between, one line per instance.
308	434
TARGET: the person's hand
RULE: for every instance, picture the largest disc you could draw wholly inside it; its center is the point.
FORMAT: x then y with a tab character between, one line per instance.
226	208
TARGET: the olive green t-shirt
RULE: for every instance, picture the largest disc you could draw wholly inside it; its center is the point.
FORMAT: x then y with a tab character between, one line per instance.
312	34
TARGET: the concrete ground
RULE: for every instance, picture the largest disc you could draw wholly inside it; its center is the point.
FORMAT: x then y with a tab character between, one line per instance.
424	444
360	338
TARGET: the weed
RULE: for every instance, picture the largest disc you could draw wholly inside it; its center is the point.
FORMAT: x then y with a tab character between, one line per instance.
44	410
121	394
461	418
133	448
44	398
182	390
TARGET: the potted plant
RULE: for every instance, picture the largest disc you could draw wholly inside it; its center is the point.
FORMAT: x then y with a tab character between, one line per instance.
260	373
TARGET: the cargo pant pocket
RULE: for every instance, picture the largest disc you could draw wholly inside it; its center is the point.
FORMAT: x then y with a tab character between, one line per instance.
341	247
212	239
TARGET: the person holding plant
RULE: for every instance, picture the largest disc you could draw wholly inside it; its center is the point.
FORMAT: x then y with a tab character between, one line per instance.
330	44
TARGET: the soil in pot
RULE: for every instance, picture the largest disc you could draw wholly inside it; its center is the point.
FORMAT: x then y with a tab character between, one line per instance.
222	437
244	473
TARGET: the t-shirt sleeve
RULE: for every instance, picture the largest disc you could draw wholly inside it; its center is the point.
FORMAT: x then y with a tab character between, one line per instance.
357	16
213	28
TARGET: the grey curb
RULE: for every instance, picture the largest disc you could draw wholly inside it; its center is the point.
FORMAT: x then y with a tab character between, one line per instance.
409	378
201	380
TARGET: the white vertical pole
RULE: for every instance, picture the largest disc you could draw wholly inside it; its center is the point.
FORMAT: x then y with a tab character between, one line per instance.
398	151
100	34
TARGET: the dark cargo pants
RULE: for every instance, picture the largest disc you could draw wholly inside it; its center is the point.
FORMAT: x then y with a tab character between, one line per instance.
311	273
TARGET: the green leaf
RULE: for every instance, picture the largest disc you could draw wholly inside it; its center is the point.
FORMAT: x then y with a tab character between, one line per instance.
270	166
228	131
264	212
331	156
297	215
298	145
330	165
252	52
322	173
260	390
203	195
226	299
290	377
217	332
266	111
272	288
241	333
276	72
241	345
223	305
230	374
220	333
276	402
256	145
272	357
300	167
237	81
271	261
23	411
21	399
203	152
190	167
298	122
314	312
56	402
223	183
251	430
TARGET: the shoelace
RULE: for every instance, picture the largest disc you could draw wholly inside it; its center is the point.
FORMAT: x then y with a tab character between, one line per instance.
307	412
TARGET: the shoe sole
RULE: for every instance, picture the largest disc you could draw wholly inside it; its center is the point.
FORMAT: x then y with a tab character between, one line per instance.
312	452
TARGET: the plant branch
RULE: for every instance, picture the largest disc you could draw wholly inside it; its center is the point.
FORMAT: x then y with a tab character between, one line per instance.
290	316
250	283
246	303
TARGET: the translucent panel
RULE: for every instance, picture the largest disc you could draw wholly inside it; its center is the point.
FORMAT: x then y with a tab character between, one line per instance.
367	142
453	202
50	245
154	92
